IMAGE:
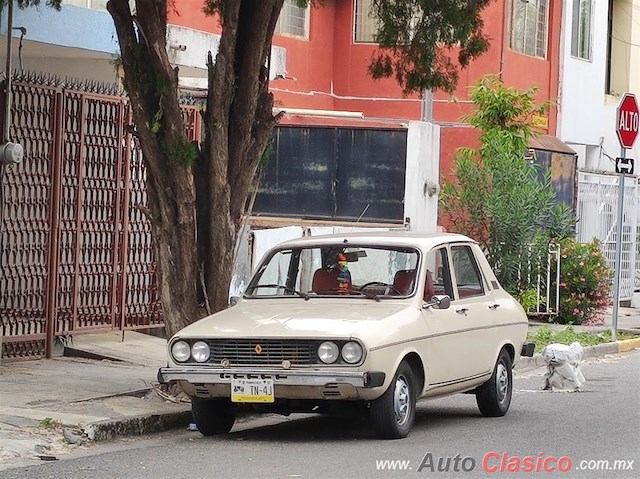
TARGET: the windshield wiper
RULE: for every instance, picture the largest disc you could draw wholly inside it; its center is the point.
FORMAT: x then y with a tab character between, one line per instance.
366	295
286	288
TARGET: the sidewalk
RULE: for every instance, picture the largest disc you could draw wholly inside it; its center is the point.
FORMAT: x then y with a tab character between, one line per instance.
52	407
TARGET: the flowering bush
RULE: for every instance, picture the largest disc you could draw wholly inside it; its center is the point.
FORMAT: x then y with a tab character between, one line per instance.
585	283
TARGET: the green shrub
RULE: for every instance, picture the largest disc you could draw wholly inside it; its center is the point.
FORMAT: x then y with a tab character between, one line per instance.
585	283
528	298
496	196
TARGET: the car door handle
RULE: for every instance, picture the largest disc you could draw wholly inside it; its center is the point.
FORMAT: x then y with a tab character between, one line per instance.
462	311
494	306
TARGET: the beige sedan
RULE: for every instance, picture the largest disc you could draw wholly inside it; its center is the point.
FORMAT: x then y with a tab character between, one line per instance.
372	320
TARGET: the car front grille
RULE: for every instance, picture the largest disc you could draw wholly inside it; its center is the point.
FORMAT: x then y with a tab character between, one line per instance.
262	352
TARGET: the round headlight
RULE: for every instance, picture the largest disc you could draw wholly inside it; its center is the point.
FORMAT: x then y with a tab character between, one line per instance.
328	352
200	351
352	352
180	351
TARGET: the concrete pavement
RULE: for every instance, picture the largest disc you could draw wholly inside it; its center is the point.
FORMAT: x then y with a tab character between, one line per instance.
51	407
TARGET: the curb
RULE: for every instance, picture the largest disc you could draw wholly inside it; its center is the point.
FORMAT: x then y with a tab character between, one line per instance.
137	426
589	352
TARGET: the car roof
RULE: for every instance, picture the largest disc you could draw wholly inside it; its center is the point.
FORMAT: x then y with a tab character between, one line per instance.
386	238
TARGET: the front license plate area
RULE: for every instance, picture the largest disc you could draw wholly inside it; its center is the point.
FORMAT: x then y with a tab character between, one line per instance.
252	390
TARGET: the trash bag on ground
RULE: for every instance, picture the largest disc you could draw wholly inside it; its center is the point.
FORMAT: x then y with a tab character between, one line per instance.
563	367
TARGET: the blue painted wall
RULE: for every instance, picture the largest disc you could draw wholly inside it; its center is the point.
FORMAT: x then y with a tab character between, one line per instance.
70	27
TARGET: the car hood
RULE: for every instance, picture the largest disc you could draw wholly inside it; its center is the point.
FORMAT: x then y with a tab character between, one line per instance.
316	318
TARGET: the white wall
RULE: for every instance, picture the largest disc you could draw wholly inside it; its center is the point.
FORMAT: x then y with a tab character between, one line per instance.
423	169
586	113
189	49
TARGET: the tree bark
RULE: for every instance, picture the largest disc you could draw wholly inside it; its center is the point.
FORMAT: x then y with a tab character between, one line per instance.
239	121
196	218
151	84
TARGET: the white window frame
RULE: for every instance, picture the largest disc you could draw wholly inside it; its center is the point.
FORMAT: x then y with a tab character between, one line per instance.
364	25
581	29
522	29
285	25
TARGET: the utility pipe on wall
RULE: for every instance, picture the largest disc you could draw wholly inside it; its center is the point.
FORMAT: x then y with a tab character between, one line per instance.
7	73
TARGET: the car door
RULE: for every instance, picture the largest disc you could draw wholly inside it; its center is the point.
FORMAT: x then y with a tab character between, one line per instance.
445	363
458	347
475	308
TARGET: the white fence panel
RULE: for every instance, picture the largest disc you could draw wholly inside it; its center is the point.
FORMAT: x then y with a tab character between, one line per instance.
597	217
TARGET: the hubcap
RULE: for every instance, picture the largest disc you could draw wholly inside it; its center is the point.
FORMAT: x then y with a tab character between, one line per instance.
401	401
502	381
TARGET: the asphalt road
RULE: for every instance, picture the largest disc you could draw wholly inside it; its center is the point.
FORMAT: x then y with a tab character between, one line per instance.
576	432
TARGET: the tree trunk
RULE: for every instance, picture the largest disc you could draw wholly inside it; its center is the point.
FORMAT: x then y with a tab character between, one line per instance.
239	121
151	84
196	220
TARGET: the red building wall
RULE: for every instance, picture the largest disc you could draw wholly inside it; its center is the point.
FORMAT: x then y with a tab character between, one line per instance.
329	71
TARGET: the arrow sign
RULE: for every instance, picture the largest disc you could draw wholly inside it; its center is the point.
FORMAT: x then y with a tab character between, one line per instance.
624	165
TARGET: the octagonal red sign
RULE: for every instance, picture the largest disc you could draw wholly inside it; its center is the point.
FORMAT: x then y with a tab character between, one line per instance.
627	120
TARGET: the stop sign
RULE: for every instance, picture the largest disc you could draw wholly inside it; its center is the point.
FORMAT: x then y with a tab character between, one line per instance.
627	120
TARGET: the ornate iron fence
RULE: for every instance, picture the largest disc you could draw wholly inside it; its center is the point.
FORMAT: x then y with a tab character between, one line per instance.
75	246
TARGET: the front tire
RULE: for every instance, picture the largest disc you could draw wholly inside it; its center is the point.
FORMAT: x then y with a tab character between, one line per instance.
394	413
494	396
212	416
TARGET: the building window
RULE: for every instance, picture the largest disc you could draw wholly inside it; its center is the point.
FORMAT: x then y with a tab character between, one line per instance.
293	20
365	22
529	27
581	29
620	26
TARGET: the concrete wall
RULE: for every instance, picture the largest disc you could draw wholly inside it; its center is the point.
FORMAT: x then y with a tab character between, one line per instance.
422	176
97	69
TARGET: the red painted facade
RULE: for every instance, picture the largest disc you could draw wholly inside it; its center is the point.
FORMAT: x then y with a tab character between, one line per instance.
328	71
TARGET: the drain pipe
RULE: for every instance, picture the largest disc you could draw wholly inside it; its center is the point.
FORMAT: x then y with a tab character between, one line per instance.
10	153
7	72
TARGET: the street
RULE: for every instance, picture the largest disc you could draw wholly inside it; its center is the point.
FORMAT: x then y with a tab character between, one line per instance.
587	434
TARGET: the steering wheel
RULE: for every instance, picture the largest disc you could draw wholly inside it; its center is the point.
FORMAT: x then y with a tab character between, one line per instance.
380	283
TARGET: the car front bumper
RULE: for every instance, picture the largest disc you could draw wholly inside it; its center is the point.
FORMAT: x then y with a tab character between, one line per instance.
282	377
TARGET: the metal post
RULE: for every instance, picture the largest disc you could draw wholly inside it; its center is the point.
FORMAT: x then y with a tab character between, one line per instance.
426	106
7	72
616	282
7	113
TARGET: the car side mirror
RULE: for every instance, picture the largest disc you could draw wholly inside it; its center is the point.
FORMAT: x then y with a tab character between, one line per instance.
438	301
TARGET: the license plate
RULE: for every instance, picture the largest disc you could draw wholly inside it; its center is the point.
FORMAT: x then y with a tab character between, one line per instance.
252	390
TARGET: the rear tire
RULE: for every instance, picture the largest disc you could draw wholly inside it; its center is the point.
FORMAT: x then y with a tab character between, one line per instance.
393	413
494	396
212	416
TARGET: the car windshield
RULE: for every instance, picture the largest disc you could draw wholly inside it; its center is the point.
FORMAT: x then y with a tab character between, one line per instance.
335	270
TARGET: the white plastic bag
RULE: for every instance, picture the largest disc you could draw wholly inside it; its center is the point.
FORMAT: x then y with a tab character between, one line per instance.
563	366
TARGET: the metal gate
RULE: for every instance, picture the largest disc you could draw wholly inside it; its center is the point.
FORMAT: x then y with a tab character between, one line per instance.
597	218
75	246
337	173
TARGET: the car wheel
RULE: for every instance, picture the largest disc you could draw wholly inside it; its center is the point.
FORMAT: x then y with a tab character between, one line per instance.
494	396
212	416
393	413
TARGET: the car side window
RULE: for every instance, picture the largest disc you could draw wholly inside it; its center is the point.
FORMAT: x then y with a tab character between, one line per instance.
439	273
468	278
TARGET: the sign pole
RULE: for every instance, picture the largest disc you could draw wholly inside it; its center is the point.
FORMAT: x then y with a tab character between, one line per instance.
616	281
627	127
